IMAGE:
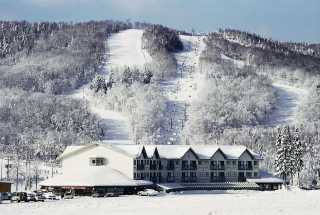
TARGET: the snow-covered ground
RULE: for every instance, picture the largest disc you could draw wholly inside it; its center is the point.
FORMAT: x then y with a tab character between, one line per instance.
286	109
184	87
219	203
124	49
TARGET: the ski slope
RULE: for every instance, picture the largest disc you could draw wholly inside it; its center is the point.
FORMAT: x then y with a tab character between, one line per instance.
286	107
183	88
124	49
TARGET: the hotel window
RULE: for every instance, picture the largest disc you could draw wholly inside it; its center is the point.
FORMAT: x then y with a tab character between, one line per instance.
255	163
234	163
97	161
255	174
249	174
228	162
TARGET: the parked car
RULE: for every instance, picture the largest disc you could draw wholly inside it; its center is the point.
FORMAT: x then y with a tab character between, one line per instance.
31	197
69	195
50	195
148	192
5	196
98	194
19	197
40	197
111	195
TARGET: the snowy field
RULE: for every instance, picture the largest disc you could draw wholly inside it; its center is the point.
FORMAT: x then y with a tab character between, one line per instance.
230	203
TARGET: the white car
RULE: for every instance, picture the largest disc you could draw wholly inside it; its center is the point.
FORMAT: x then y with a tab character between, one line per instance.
50	196
148	192
68	195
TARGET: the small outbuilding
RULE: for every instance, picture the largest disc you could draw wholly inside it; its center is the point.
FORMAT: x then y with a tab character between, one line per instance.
5	186
267	183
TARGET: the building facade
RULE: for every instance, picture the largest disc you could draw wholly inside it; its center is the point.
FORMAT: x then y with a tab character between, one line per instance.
167	163
216	164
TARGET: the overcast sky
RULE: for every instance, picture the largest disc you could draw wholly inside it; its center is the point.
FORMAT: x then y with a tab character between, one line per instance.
294	20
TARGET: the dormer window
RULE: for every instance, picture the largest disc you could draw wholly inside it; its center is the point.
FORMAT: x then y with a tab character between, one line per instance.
97	161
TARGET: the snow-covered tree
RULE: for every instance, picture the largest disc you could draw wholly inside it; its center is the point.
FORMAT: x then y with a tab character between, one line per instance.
284	163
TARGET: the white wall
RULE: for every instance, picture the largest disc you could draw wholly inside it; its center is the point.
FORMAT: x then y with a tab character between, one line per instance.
115	160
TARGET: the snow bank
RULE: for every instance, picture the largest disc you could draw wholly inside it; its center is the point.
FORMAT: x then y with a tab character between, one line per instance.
211	203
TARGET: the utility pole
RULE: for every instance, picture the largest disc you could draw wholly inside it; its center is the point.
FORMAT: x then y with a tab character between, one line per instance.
36	176
8	166
1	168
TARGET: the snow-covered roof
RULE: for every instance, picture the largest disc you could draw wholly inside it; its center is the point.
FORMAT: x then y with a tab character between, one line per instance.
74	149
94	176
270	180
168	151
178	151
6	182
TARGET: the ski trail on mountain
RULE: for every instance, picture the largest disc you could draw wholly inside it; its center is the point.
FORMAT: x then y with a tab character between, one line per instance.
124	49
286	107
183	88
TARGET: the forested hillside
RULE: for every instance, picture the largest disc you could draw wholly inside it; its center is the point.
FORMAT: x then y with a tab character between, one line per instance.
39	64
161	42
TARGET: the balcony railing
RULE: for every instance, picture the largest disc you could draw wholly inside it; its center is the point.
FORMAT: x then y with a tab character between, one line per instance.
242	179
218	179
188	179
170	167
244	167
153	167
189	167
140	167
217	167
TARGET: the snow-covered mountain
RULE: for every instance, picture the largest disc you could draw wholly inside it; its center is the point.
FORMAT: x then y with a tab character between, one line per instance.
118	82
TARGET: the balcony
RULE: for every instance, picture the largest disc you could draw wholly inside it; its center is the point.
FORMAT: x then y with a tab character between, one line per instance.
217	167
170	167
153	167
190	179
244	167
189	167
218	179
140	167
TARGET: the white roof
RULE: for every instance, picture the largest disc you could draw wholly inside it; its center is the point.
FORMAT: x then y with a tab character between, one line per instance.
168	151
178	151
73	149
265	180
93	176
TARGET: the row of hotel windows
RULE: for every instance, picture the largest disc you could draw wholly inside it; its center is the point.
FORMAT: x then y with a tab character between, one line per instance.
194	174
192	164
154	162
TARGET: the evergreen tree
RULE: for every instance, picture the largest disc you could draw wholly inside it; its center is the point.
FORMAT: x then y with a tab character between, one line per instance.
298	152
98	84
284	162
